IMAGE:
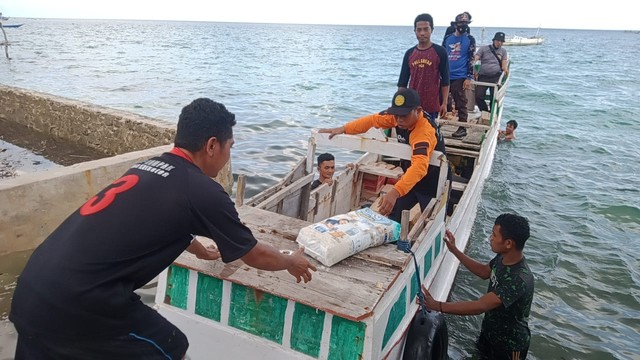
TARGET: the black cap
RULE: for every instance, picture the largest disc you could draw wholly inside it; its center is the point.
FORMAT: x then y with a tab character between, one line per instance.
499	36
403	102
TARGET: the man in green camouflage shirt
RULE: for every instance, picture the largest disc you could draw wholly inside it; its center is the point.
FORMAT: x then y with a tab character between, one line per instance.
505	332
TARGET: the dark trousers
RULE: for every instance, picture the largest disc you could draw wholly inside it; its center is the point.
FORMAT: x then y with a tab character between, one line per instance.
154	339
490	352
421	193
459	96
481	90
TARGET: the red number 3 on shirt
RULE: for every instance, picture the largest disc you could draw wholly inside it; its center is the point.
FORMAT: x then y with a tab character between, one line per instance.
96	204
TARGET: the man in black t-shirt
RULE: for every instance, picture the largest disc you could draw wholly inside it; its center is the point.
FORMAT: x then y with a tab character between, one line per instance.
75	298
505	331
326	169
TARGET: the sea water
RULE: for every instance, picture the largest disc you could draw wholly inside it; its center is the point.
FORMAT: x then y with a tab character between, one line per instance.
573	170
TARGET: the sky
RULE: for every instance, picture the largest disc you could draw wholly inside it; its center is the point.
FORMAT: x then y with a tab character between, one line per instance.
549	14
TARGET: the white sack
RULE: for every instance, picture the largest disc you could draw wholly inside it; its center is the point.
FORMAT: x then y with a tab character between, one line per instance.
338	237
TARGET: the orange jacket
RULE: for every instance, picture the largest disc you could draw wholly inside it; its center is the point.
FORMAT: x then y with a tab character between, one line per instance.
422	138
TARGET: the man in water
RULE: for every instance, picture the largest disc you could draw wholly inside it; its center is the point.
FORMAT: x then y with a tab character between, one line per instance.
505	330
509	132
75	298
326	169
413	126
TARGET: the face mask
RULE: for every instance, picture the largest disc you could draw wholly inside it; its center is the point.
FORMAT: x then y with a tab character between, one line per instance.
462	28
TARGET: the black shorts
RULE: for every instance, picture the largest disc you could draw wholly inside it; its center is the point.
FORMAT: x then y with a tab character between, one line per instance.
154	338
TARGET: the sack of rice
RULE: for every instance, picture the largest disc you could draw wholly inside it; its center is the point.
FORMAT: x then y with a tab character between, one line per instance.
340	236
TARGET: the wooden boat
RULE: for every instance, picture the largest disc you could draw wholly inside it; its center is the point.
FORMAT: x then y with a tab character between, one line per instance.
359	308
11	25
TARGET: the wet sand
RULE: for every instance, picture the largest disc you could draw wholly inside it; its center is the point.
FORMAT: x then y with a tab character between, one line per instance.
24	150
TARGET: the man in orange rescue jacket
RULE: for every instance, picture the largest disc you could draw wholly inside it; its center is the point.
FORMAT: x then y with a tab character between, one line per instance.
414	127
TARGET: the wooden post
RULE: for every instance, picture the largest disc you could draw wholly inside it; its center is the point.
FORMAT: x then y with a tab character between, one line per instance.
404	225
305	191
240	190
6	41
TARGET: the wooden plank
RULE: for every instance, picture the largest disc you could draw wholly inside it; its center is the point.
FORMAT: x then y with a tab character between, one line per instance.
414	215
458	186
305	192
456	151
422	220
267	222
461	144
387	254
349	289
282	194
296	172
375	169
391	147
463	124
473	138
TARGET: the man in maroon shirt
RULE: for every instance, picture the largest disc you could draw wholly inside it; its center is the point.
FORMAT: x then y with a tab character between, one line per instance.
425	68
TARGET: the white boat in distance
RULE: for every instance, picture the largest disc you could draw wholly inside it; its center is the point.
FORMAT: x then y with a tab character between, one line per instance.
364	306
516	40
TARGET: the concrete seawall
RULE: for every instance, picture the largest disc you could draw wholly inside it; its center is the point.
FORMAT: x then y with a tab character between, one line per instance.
111	131
32	205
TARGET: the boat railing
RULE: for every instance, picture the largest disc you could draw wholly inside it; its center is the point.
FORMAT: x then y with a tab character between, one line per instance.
387	146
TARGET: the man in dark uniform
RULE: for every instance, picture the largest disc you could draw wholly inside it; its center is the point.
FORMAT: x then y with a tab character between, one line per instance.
75	298
413	126
505	330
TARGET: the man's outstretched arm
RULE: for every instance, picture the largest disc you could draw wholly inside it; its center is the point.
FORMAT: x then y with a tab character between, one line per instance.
266	257
481	270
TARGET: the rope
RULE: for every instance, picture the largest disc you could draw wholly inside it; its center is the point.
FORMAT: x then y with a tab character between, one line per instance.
405	245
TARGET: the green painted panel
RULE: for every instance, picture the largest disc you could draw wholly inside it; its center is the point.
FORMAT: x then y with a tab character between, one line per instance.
209	297
347	339
177	287
414	285
428	261
397	313
257	313
438	244
306	330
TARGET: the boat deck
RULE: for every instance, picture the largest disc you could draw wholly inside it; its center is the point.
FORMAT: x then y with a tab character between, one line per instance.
350	289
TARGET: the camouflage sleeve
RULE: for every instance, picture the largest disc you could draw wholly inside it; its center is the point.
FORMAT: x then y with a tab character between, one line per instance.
510	288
